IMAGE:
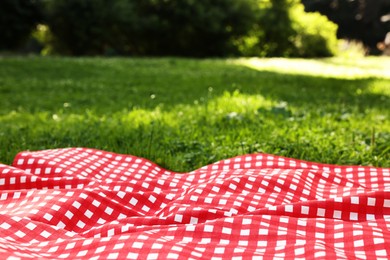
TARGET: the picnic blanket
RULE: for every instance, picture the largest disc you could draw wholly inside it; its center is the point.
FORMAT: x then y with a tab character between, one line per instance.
79	203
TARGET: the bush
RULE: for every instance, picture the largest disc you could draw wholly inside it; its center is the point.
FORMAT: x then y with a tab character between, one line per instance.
17	19
315	34
80	27
44	38
278	33
200	28
149	27
188	28
284	29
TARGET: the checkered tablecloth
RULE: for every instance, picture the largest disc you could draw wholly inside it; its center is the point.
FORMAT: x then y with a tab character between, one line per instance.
79	203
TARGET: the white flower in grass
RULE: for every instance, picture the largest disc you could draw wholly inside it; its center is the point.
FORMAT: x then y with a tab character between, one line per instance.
56	117
234	116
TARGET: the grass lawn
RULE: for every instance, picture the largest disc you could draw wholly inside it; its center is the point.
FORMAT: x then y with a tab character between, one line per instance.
186	113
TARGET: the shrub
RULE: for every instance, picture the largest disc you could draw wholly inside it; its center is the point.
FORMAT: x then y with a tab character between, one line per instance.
188	28
284	29
315	34
276	24
17	20
150	27
199	28
44	38
79	26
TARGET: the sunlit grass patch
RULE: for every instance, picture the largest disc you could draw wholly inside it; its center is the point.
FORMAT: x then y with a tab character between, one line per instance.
341	67
184	114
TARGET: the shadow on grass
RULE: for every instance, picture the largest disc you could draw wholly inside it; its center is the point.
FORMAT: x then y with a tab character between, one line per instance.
111	85
96	94
310	91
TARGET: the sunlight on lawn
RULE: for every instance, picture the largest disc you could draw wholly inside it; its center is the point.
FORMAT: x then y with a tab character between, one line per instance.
186	113
228	107
350	68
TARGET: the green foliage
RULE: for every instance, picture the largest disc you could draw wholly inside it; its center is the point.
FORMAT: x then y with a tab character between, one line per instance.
149	27
168	28
17	20
315	34
276	23
191	28
284	29
43	36
80	27
185	113
290	32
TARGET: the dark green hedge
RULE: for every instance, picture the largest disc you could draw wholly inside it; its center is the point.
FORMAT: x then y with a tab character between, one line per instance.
150	27
197	28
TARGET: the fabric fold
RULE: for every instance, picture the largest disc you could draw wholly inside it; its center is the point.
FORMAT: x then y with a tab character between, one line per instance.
82	203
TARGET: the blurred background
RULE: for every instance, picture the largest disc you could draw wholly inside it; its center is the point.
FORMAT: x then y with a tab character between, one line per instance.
201	28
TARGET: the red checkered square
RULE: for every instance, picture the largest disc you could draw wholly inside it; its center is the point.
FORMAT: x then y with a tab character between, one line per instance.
81	203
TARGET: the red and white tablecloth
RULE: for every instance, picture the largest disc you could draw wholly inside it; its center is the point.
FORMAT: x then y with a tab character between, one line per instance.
79	203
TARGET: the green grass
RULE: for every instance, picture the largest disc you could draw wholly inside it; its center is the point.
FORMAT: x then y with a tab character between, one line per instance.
186	113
